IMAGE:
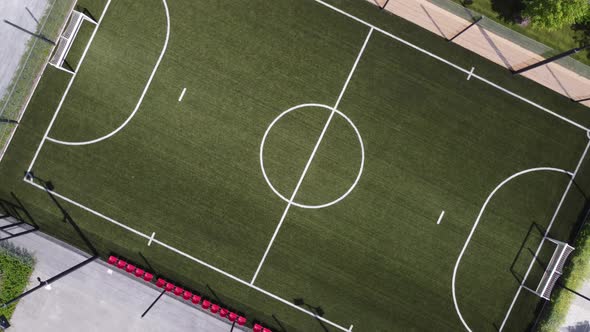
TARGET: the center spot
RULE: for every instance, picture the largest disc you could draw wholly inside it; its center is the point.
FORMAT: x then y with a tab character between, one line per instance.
287	146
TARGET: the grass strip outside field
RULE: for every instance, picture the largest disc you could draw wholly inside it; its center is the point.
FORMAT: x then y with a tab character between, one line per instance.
16	266
221	96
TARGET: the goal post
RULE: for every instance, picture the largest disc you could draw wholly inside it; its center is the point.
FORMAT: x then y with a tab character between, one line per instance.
554	269
66	39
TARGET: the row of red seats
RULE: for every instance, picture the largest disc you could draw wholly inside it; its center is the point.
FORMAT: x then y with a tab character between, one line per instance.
187	295
207	305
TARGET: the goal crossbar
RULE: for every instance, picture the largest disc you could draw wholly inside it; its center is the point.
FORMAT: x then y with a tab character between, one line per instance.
66	39
554	269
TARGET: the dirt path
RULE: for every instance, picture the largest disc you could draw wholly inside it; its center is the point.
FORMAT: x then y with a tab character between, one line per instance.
491	46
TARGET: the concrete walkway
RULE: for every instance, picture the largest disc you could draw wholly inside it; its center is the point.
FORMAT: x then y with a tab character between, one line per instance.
578	316
90	299
490	46
18	19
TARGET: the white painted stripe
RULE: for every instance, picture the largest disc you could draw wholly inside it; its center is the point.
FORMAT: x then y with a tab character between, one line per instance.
182	94
442	214
151	239
403	41
63	97
470	73
207	265
315	149
567	189
145	89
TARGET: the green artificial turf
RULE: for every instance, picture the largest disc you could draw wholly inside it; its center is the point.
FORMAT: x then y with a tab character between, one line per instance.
190	171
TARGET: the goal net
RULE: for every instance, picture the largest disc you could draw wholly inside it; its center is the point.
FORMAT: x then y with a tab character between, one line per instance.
66	39
554	268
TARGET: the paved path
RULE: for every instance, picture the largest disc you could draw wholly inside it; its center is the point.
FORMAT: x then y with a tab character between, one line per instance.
490	45
90	299
16	16
578	316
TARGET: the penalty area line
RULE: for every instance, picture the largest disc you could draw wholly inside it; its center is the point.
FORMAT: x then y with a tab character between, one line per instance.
72	78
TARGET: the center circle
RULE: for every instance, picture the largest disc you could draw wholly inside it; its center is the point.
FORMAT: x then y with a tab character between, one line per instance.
360	171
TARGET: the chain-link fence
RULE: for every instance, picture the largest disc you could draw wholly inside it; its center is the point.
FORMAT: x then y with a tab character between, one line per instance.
39	48
513	36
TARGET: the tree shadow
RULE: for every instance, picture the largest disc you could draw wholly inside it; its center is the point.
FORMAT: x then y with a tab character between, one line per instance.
582	35
508	10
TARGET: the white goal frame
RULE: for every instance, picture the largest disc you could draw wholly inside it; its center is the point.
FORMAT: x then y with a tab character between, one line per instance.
66	39
554	269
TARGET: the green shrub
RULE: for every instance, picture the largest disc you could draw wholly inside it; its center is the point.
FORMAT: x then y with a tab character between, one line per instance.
16	266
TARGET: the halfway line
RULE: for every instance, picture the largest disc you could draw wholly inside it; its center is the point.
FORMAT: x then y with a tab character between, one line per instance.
315	149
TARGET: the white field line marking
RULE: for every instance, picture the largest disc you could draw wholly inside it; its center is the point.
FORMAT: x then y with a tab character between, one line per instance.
485	204
442	214
350	328
145	89
403	41
573	176
182	94
62	69
207	265
63	97
151	239
470	73
315	149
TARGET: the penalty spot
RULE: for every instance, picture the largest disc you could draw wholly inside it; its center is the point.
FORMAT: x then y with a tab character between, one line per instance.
182	94
442	214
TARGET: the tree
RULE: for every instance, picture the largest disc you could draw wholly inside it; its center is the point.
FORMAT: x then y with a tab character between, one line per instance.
555	14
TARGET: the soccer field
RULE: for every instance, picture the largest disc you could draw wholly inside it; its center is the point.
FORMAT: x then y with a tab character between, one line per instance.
274	153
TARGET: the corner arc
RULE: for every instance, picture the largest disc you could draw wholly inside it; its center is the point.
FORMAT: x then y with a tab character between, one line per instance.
145	89
456	268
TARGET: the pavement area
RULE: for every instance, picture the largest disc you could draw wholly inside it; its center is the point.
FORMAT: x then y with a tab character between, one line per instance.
91	299
490	46
19	19
578	316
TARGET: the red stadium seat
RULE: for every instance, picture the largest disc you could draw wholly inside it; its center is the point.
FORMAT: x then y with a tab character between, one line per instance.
266	330
121	264
130	268
242	321
215	308
148	277
223	312
112	260
232	316
196	299
178	291
139	272
169	287
161	282
206	304
187	295
257	328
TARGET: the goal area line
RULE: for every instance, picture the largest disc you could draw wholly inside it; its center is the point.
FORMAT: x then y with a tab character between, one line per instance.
545	236
184	254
